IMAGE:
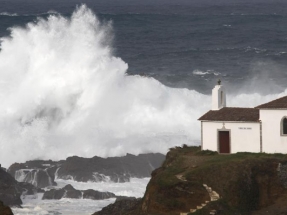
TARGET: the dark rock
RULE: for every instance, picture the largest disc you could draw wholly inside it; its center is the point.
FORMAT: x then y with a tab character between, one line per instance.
44	179
29	189
40	173
54	194
10	191
96	195
70	192
117	169
5	210
121	206
66	192
14	167
125	198
32	173
38	177
245	182
3	168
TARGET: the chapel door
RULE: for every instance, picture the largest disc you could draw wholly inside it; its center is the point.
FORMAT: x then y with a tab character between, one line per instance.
224	142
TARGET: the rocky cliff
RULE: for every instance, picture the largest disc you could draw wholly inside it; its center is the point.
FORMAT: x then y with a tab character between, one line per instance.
11	190
70	192
116	169
5	210
39	173
192	181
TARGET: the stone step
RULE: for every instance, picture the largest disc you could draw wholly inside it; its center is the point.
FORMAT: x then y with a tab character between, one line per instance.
214	196
212	212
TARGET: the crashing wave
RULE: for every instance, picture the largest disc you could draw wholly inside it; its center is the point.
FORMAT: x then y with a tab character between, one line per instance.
64	93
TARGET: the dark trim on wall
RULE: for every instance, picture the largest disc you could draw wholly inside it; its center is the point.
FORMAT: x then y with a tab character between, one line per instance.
281	126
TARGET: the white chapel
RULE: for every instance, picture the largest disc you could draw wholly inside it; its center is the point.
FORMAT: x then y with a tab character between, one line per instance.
232	129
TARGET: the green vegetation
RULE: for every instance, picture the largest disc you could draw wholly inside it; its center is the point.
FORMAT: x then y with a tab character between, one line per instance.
168	176
218	205
243	181
189	177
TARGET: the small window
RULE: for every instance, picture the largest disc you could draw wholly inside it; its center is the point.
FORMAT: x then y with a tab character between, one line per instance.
221	97
284	126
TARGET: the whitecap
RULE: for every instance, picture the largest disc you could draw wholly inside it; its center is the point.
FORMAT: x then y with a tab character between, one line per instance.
199	72
8	14
64	93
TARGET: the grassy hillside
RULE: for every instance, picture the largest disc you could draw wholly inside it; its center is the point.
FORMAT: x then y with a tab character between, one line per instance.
247	183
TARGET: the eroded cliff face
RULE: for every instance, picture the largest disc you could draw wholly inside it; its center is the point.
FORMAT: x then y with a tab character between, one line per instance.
5	210
43	173
10	190
207	183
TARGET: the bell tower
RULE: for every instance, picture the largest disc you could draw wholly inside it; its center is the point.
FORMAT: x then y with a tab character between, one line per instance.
218	96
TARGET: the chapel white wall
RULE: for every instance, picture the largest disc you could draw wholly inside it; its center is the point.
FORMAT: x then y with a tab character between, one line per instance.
242	140
272	140
218	97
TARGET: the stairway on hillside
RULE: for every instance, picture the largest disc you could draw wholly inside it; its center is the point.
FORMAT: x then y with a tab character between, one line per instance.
214	196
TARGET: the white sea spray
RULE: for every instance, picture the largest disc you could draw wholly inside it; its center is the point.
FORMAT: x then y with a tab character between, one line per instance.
33	205
63	93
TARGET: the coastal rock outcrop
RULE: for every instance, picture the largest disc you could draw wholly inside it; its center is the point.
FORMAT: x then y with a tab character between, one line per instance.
204	182
29	189
70	192
116	169
10	191
97	195
5	210
121	206
39	173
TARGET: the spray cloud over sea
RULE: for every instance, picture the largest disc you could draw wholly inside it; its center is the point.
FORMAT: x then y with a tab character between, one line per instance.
64	93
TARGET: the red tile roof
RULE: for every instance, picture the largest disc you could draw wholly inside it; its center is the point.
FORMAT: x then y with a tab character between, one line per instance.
275	104
232	114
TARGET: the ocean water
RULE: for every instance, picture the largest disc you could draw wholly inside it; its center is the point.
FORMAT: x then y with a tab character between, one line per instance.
33	205
113	77
167	40
110	77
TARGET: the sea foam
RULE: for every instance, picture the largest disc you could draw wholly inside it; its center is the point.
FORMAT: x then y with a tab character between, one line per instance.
34	205
8	14
63	93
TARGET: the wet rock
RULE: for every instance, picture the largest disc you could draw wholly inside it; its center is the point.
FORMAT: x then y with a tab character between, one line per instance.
70	192
10	191
121	206
29	189
5	210
116	169
96	195
66	192
54	194
39	173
